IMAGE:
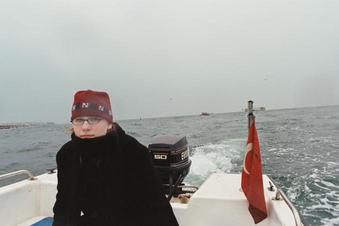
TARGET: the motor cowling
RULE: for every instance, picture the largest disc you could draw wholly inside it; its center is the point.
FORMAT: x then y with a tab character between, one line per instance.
170	154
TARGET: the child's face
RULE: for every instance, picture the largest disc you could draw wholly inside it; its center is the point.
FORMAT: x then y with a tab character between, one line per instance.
90	127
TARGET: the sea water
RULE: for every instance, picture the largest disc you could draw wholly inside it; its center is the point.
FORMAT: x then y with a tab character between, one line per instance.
299	149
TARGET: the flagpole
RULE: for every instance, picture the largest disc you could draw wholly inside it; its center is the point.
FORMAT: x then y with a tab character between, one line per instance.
250	113
251	177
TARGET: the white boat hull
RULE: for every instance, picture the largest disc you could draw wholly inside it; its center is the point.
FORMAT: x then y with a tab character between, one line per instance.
219	201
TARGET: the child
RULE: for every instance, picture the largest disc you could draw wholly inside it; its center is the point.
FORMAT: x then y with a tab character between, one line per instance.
106	177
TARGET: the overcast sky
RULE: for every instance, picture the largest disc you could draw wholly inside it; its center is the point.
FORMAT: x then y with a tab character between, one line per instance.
164	58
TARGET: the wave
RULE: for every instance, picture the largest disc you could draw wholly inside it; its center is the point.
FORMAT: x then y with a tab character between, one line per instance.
323	197
219	157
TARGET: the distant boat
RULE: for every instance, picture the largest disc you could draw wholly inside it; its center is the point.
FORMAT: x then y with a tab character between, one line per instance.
12	125
5	126
204	114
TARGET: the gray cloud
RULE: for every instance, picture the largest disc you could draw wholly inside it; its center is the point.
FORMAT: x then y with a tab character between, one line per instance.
166	58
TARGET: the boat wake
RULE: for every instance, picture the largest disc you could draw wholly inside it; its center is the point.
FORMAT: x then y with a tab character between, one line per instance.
219	157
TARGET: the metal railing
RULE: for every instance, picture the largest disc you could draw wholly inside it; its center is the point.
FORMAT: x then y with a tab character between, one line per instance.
16	173
280	194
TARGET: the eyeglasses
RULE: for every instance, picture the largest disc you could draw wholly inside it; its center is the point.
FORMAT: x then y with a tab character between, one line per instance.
81	121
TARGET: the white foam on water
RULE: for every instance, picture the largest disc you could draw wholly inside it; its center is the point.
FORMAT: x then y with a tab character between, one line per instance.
331	222
203	163
326	199
272	150
282	151
318	183
333	163
296	128
217	157
329	184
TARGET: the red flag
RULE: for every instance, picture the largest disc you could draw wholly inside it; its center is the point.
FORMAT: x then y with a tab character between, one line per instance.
251	179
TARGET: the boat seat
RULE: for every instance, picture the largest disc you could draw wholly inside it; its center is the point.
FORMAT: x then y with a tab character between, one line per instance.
37	221
47	221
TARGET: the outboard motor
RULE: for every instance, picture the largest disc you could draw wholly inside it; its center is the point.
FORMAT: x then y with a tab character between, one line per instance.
171	161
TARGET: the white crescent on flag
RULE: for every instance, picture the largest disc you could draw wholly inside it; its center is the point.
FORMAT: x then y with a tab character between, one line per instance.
249	148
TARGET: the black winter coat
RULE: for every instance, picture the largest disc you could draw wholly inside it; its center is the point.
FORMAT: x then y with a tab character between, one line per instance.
109	181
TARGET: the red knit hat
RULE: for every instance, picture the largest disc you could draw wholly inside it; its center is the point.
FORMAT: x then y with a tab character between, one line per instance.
92	103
